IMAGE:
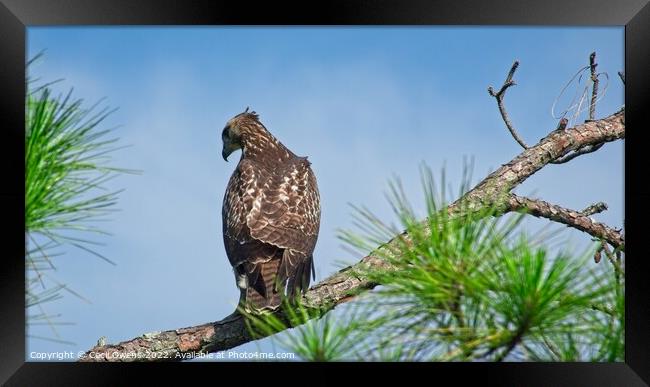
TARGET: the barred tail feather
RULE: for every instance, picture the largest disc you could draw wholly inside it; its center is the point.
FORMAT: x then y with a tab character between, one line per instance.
304	271
262	294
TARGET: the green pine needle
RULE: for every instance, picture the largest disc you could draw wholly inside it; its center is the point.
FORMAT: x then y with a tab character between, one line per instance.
67	168
466	288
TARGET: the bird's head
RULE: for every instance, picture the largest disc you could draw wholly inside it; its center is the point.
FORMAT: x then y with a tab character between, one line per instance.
237	129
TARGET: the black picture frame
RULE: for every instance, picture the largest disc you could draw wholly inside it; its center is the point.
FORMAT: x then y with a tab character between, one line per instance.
17	15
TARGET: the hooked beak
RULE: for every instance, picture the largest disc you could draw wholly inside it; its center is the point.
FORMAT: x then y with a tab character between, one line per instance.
227	149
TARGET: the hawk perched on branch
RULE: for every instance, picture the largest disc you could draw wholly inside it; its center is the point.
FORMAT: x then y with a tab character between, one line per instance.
271	215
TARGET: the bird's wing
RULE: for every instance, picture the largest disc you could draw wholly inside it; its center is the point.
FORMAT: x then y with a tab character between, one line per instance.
285	210
286	214
237	204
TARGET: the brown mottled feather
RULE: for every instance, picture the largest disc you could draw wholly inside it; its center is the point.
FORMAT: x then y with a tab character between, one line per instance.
271	218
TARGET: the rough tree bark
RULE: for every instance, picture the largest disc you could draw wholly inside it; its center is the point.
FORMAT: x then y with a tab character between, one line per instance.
494	190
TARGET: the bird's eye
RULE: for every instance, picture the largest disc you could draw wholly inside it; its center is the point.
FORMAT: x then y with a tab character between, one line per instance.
224	134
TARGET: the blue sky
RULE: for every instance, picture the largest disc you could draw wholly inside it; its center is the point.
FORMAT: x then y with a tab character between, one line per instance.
364	103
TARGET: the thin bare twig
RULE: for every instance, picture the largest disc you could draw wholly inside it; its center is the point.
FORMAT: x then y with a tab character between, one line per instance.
592	113
499	97
622	76
595	208
594	89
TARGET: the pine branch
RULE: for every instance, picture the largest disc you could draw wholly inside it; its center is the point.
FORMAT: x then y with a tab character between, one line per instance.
499	95
571	218
343	286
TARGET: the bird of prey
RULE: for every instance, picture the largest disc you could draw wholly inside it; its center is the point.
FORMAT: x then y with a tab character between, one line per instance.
271	215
